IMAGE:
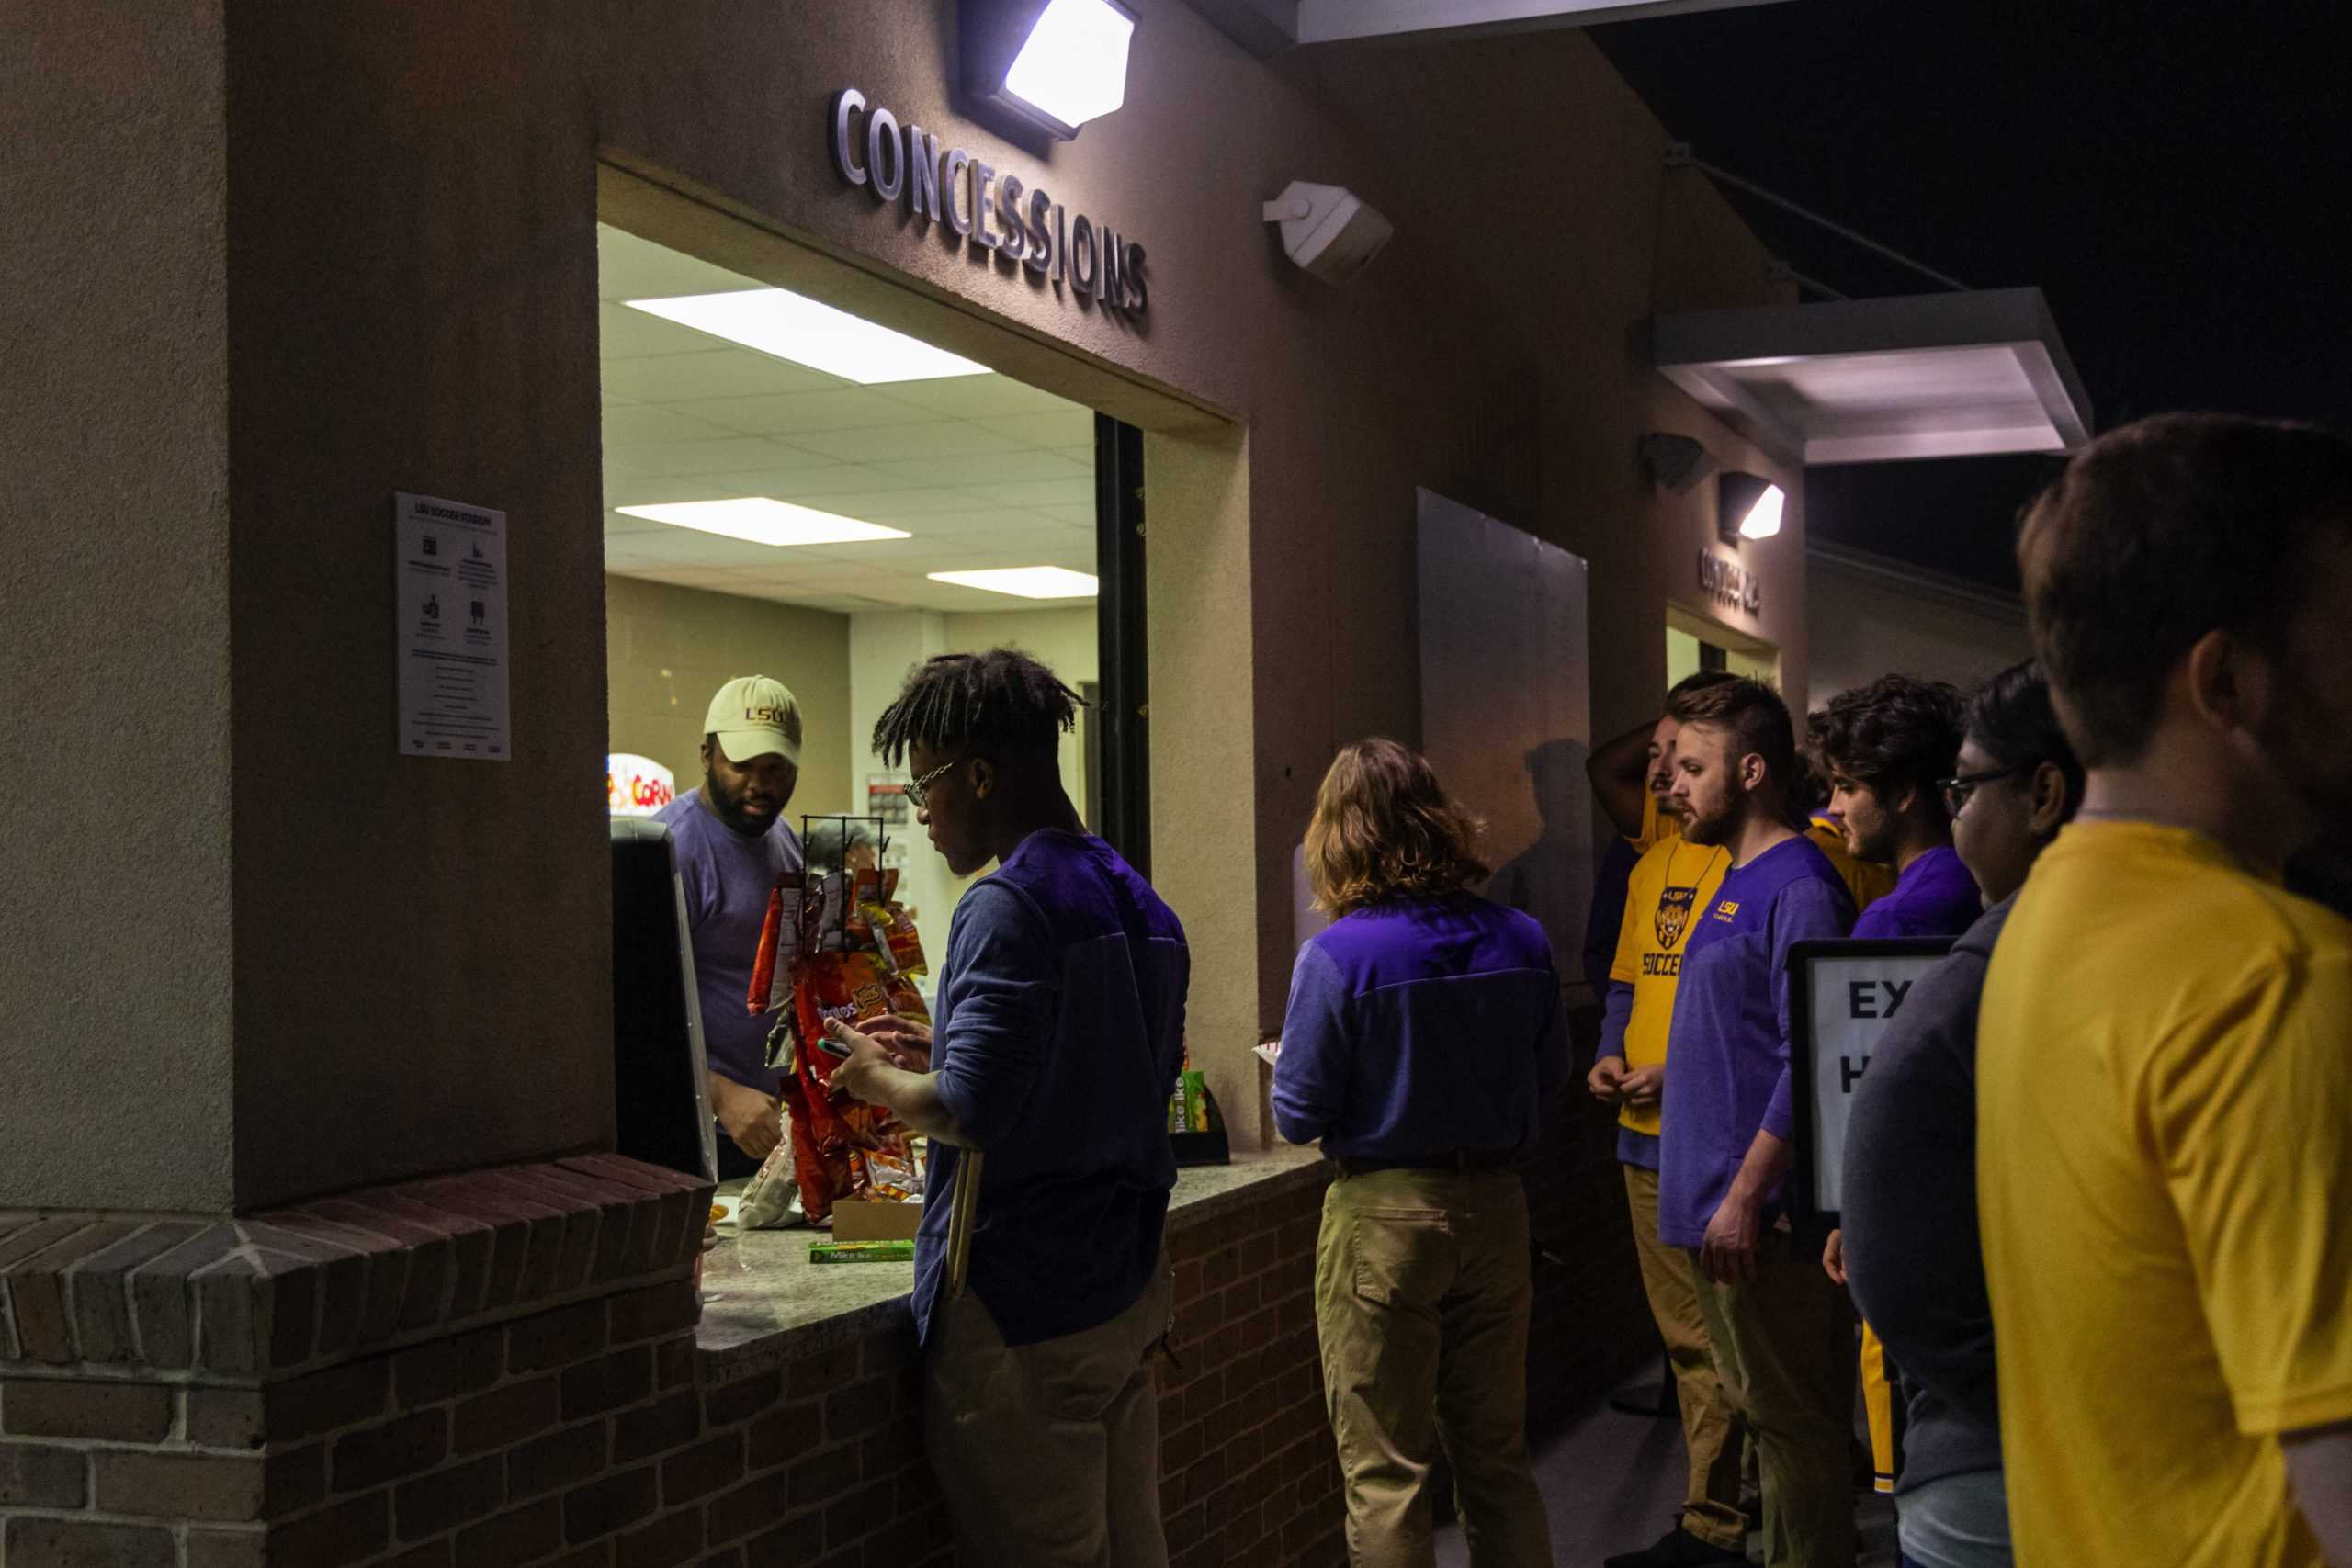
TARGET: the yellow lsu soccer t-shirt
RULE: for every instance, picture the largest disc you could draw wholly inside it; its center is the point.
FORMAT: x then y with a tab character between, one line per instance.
1670	882
2165	1168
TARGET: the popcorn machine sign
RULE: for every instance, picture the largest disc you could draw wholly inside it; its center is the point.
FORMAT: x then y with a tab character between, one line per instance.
636	786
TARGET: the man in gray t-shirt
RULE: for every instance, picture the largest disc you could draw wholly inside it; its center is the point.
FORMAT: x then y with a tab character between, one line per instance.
732	844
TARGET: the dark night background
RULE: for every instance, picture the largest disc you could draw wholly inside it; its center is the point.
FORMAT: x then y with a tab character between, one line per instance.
2172	178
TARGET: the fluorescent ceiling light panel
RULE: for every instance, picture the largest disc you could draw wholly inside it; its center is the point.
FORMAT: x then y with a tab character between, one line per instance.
1025	581
778	322
1763	519
764	522
1075	64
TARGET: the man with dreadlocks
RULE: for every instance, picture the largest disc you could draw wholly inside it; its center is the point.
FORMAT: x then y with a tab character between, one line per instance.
1056	1041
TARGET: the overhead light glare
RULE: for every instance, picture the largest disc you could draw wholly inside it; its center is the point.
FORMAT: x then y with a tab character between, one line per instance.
1074	66
763	521
1026	582
1747	506
779	322
1763	519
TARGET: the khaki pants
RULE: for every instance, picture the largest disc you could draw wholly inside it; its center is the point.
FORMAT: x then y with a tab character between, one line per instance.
1784	1344
1713	1430
1048	1454
1422	1299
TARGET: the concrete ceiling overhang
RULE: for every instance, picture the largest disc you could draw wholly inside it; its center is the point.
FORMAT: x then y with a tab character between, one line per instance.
1963	374
1268	28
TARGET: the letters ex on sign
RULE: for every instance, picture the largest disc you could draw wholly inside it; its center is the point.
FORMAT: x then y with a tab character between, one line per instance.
1843	995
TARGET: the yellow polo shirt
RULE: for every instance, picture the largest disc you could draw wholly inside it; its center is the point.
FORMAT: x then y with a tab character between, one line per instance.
2165	1168
1670	882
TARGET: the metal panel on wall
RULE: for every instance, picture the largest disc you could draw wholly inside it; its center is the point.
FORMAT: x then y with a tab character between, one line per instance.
1506	706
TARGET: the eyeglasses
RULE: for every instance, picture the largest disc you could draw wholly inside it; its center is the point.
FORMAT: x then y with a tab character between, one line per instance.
916	788
1956	790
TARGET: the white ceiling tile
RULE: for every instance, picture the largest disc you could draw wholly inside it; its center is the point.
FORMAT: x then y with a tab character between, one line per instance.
631	268
980	519
629	424
630	492
980	470
812	486
898	507
841	407
977	474
741	453
978	396
945	439
692	547
1065	492
1048	544
715	373
624	333
1071	427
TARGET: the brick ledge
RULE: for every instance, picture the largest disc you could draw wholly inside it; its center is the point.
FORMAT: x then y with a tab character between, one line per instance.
257	1299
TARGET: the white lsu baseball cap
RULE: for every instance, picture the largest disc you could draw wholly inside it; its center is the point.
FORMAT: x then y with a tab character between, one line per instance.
755	716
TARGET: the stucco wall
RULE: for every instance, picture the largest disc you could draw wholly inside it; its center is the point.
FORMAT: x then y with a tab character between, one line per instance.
1868	622
420	970
115	938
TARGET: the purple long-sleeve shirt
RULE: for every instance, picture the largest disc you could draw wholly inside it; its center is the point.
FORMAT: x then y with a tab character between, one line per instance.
1056	1041
1934	897
1727	1063
1421	1027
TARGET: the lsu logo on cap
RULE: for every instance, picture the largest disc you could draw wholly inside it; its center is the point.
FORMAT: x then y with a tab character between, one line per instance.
763	716
1674	914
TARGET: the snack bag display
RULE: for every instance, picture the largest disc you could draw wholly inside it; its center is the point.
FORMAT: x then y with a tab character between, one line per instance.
837	948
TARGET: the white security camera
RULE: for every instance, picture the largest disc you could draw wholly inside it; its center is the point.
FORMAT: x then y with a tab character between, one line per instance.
1326	229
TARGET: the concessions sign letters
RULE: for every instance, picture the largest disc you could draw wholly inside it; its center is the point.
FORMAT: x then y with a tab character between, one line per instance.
989	210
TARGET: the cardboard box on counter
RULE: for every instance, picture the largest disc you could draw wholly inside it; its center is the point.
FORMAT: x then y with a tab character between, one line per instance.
867	1220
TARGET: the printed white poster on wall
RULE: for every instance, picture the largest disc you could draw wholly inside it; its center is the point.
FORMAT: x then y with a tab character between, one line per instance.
1843	996
449	629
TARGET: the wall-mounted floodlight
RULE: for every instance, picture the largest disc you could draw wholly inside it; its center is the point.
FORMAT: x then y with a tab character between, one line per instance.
1326	229
1675	463
1055	63
1747	507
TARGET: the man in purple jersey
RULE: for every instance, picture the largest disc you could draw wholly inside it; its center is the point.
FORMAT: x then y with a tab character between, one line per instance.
1783	1335
1889	747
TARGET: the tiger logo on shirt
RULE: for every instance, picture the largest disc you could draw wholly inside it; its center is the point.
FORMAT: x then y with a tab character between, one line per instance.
1674	905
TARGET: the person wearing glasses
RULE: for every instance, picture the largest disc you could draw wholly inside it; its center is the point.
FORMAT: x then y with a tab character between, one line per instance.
1056	1043
1911	1252
1423	1038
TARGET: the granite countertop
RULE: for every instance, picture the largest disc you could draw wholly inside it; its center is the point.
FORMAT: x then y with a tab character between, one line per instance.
763	1301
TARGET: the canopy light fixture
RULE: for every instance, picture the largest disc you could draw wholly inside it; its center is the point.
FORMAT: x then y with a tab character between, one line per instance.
763	521
1747	507
1055	63
778	322
1025	581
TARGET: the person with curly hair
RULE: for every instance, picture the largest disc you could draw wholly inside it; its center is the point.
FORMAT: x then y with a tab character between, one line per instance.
1054	1045
1423	1038
1888	746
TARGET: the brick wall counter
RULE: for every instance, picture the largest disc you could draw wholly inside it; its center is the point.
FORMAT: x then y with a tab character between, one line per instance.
504	1371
